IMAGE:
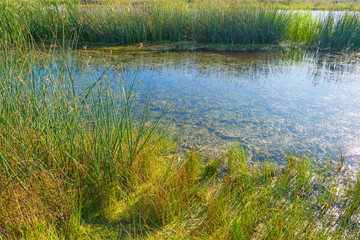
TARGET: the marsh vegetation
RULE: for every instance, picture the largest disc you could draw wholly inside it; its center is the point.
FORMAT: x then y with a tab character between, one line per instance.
84	154
203	22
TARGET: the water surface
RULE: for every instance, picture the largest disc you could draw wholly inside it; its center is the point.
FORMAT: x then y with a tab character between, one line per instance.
271	101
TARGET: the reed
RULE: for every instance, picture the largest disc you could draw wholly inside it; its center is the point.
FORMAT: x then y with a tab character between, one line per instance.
337	33
202	22
60	131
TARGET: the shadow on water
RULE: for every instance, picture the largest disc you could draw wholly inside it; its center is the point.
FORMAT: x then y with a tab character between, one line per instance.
270	100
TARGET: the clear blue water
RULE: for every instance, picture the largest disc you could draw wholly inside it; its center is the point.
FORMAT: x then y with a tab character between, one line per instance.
272	102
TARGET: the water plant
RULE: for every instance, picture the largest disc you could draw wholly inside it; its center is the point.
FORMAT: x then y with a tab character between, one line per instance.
199	22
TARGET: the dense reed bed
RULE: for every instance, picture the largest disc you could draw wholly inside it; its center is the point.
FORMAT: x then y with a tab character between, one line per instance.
200	22
79	160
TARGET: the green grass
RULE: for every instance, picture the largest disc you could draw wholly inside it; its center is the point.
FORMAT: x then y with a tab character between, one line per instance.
79	160
199	22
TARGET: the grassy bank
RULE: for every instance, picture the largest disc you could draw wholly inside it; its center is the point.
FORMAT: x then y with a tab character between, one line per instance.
79	160
221	22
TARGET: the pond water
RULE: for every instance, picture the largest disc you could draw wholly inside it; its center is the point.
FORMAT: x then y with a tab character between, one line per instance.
272	101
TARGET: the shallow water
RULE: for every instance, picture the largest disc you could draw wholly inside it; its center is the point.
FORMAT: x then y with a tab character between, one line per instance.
271	101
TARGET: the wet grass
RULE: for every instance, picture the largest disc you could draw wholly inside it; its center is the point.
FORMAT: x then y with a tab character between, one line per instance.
86	162
200	22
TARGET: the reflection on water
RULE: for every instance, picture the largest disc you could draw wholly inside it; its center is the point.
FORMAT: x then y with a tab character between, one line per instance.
270	101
